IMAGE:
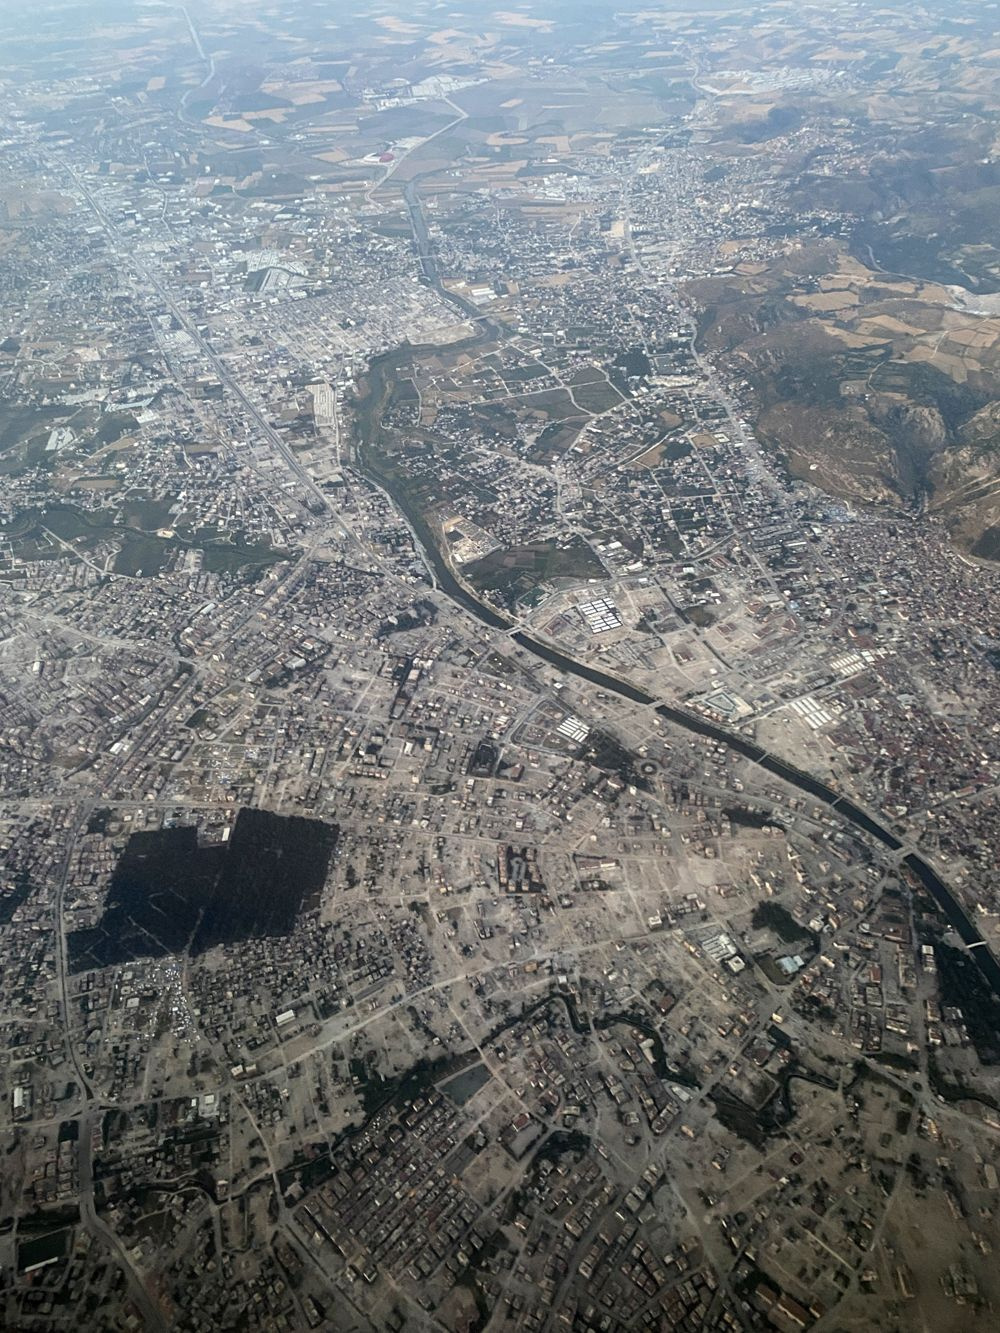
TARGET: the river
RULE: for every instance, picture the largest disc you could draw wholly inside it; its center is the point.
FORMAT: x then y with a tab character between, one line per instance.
369	418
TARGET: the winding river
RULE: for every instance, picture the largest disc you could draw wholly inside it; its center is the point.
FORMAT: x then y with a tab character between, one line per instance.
381	374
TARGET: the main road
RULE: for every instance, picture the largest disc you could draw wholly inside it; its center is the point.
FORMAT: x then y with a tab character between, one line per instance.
226	378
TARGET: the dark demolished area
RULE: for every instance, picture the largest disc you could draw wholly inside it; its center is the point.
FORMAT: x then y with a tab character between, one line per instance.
169	894
605	752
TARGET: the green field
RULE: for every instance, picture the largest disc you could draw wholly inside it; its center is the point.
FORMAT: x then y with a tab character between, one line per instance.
139	553
517	572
